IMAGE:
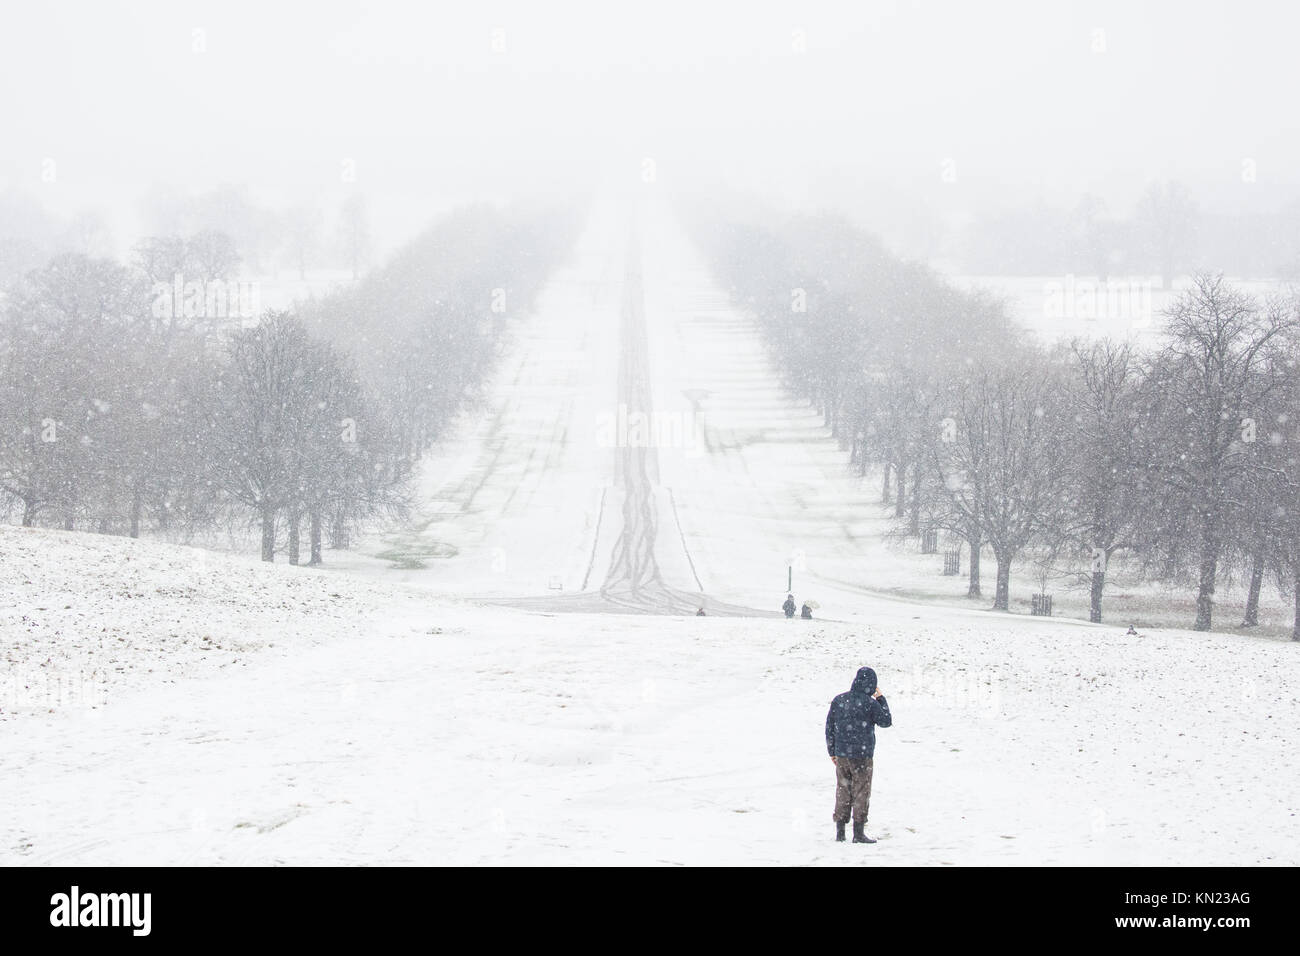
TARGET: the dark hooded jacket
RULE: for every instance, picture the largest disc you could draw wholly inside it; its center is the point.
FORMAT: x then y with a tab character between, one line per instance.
854	716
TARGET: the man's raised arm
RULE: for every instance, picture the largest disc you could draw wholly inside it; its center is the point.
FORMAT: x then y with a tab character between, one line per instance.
880	710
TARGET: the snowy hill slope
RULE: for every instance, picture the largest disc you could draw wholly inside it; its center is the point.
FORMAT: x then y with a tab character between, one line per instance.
86	618
385	727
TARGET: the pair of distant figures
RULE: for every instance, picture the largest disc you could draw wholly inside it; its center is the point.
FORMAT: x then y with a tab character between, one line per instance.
789	608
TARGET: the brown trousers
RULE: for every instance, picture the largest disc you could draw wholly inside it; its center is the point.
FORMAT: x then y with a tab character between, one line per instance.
852	789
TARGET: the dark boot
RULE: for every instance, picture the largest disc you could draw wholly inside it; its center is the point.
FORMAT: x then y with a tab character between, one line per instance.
839	833
859	834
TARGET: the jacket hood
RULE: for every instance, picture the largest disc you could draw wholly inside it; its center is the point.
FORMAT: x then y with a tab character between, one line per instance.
865	682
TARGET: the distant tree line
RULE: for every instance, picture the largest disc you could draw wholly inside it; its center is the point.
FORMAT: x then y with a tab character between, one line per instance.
1166	233
1185	456
424	338
123	412
302	236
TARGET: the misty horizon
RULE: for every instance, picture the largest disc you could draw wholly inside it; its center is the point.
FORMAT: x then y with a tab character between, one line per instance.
902	117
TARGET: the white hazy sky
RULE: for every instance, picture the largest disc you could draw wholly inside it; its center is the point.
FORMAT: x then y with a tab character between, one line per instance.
278	94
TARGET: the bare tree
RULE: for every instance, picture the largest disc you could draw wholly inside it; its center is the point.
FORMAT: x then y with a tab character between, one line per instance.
1109	482
1218	375
301	228
61	331
255	420
1167	215
354	236
999	456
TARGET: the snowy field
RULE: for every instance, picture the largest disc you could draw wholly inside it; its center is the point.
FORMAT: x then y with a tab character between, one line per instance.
442	733
1122	307
456	691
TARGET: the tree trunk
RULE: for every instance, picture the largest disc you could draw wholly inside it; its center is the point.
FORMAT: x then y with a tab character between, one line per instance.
67	523
164	512
1209	569
136	506
1252	597
900	500
29	512
1295	630
973	538
268	533
1098	583
914	525
884	488
339	534
1170	565
1002	596
293	537
315	537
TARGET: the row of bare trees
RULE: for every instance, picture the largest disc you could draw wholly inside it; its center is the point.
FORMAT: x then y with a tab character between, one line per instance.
1183	456
114	420
424	338
1164	234
121	417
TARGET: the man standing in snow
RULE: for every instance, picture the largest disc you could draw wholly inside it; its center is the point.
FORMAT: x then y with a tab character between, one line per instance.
851	741
788	606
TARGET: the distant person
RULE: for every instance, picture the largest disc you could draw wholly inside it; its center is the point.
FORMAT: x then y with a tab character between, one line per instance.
788	606
700	613
806	612
851	741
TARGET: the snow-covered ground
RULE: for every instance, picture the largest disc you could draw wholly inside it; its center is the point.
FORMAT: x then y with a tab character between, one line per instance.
86	618
449	693
1124	307
401	730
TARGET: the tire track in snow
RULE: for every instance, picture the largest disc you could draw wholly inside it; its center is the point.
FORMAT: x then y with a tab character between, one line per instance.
635	580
